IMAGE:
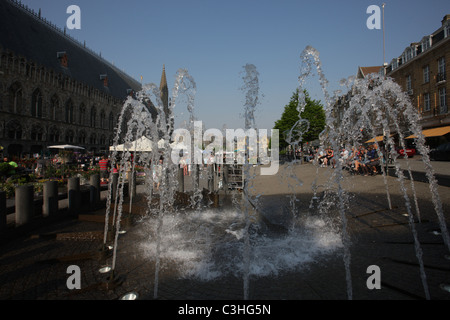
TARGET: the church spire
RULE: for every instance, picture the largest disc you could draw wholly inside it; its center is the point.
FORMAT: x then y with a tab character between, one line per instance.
164	90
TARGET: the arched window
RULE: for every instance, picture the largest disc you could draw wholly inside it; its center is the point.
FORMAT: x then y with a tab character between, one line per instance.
93	139
93	117
82	119
103	140
53	134
14	130
15	98
70	136
54	107
69	111
36	104
102	119
82	137
37	133
1	90
111	121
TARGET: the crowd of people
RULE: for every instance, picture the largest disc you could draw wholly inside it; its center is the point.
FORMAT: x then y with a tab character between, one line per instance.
358	160
37	164
362	160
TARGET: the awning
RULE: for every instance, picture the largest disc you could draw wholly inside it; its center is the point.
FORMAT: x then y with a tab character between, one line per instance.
435	132
377	139
143	144
66	147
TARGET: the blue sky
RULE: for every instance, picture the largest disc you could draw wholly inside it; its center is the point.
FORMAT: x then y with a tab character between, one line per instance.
214	39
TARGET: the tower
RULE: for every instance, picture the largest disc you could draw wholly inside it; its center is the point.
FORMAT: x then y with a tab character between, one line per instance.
164	91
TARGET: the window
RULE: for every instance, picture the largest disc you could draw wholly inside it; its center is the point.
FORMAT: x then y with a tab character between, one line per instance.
394	64
93	139
93	117
69	136
426	102
442	101
37	133
54	107
426	44
69	111
103	140
15	96
408	83
441	70
36	104
82	137
426	74
82	115
14	130
53	134
102	119
409	54
111	121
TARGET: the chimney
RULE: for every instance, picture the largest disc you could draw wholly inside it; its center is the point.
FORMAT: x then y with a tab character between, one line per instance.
446	18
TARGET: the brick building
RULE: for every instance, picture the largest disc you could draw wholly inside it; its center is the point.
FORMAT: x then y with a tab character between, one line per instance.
54	90
421	70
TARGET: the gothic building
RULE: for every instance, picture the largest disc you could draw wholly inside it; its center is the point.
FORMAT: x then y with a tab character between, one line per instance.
54	90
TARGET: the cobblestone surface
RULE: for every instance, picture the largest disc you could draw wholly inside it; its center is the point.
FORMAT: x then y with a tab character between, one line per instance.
34	262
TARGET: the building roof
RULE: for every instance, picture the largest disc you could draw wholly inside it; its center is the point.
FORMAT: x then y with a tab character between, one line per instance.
364	71
25	33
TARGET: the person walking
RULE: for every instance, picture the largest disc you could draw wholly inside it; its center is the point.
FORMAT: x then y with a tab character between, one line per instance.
104	169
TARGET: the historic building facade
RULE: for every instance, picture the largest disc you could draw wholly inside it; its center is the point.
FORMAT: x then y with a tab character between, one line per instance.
54	90
421	70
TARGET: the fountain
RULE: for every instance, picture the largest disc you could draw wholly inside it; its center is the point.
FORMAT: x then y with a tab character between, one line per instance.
206	243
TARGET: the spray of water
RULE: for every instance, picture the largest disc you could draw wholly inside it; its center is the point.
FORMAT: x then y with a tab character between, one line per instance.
207	243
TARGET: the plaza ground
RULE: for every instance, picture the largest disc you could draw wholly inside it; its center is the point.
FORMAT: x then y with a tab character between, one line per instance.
33	263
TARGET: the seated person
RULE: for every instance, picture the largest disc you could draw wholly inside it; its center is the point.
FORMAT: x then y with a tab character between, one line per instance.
373	160
360	162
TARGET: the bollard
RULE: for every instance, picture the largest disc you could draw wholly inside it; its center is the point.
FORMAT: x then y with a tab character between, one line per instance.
24	204
73	190
3	220
50	205
181	180
94	188
114	185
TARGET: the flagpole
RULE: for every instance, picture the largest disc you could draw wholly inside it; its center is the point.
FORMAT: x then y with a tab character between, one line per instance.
384	45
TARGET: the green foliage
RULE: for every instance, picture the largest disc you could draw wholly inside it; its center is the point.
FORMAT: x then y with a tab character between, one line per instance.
313	112
4	168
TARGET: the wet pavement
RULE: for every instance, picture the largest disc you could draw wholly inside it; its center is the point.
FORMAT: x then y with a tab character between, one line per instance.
34	261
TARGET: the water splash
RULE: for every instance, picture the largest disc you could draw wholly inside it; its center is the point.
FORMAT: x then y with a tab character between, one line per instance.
310	58
251	88
378	104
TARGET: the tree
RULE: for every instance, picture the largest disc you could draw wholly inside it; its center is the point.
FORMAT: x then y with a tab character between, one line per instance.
313	112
